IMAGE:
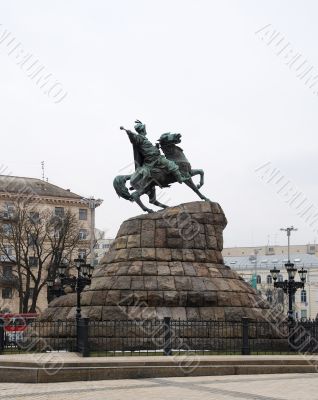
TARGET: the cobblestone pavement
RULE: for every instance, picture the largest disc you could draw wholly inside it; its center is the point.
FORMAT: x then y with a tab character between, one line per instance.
244	387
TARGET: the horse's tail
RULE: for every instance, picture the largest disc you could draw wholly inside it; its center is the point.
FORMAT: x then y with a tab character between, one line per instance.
120	186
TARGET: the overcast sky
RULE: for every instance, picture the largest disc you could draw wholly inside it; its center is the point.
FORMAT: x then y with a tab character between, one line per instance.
195	67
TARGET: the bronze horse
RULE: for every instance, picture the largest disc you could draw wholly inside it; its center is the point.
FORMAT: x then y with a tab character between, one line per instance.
143	183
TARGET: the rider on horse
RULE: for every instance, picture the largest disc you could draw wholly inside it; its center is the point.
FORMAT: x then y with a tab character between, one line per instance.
148	156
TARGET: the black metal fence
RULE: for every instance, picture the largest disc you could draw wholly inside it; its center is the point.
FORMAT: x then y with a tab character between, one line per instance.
158	337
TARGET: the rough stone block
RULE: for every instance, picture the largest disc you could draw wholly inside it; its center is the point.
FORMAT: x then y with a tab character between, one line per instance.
151	283
188	244
121	255
176	254
178	313
200	242
137	283
135	254
188	255
160	237
175	243
147	238
173	233
171	298
193	313
133	226
166	283
150	268
183	283
155	298
212	242
123	269
135	268
140	298
163	268
210	230
148	225
198	284
126	298
148	254
122	282
194	299
133	241
176	268
114	312
113	297
163	254
205	207
120	243
199	255
99	298
189	270
210	299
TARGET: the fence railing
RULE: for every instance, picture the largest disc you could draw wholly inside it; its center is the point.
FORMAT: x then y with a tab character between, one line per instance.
161	337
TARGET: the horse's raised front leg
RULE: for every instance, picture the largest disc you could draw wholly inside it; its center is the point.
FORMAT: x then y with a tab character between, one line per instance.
136	197
153	198
192	185
200	172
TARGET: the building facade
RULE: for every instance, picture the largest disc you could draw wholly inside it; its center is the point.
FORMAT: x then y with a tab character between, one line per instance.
43	196
254	264
102	245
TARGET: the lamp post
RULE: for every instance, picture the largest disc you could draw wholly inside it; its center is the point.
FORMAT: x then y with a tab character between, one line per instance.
77	283
289	286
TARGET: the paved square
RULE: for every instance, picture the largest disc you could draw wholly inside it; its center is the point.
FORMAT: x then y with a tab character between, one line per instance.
244	387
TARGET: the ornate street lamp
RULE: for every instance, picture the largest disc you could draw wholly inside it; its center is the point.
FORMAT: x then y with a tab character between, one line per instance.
77	283
289	286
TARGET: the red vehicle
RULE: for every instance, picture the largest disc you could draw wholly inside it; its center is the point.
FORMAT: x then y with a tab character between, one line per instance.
15	324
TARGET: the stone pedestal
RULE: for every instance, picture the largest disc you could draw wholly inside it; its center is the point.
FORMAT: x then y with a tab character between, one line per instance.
166	264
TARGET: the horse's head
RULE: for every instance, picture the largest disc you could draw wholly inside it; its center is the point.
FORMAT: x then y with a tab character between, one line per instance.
169	138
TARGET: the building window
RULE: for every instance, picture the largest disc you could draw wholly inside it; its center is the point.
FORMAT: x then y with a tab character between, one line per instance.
8	211
303	314
33	262
106	246
34	217
8	251
32	239
269	279
258	279
7	293
83	234
269	296
7	229
303	296
7	270
82	253
59	212
83	214
280	278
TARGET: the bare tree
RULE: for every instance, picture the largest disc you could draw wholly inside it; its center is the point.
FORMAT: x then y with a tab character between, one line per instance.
36	241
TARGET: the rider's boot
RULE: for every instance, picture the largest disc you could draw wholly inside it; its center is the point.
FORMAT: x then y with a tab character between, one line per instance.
179	177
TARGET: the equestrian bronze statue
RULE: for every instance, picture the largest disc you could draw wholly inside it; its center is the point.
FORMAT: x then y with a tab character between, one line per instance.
155	169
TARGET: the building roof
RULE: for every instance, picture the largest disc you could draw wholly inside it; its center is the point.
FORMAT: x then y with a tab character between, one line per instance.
38	187
268	262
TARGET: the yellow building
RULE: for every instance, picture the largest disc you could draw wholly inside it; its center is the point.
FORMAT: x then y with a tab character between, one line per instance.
57	200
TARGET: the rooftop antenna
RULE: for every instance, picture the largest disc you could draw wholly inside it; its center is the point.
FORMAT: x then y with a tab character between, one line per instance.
43	170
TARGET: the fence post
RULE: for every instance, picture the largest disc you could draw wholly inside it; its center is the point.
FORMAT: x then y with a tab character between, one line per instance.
167	336
245	338
82	336
1	335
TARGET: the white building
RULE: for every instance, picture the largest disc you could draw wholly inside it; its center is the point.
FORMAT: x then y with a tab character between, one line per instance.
255	268
102	245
